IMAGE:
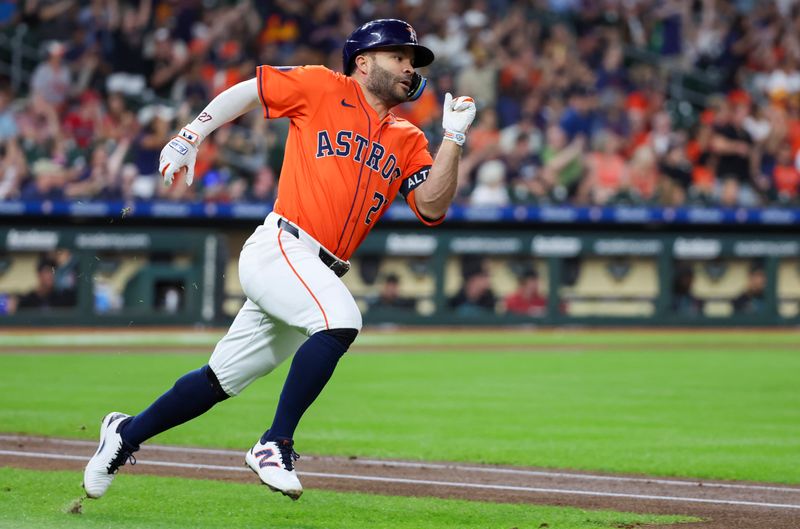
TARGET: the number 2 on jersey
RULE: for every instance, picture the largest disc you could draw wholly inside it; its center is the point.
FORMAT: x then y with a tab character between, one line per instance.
379	200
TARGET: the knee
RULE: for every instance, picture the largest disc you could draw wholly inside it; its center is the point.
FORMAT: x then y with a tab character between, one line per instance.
344	336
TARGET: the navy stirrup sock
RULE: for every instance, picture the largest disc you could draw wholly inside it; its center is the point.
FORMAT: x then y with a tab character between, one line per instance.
191	396
311	369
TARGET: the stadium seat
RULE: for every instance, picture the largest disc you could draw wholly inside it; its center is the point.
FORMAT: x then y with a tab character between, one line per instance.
596	281
232	287
788	309
411	284
789	279
354	283
20	276
128	266
731	283
503	274
788	288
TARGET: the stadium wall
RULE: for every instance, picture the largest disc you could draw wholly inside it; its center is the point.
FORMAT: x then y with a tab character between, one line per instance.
466	272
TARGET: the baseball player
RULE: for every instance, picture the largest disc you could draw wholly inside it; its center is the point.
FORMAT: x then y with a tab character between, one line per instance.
347	157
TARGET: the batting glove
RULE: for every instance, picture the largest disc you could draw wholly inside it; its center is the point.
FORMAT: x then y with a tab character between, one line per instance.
180	152
457	117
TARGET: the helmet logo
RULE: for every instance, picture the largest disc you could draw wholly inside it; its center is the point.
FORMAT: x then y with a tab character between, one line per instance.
412	33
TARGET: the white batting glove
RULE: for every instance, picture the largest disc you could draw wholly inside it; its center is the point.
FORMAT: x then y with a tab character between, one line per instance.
180	152
457	117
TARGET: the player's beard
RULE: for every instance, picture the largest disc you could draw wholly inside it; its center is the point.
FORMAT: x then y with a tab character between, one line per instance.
386	86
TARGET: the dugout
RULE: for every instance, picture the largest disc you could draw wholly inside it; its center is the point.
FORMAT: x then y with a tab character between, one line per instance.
591	266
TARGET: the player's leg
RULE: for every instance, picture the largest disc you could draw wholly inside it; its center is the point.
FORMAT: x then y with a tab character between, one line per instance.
308	297
311	369
242	355
120	434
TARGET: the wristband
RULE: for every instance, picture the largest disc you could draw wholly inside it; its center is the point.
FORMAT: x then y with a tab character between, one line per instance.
192	137
456	137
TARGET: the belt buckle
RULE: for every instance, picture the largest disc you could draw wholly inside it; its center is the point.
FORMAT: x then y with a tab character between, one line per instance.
340	268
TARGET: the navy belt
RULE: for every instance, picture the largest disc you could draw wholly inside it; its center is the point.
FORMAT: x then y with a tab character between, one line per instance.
338	266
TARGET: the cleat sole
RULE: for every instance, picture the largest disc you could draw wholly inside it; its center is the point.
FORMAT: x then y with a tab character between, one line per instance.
294	497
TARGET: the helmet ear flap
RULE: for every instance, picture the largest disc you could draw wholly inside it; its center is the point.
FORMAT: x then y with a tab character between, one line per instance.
418	84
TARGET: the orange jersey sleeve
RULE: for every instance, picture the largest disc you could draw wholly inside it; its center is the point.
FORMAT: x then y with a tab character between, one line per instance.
291	91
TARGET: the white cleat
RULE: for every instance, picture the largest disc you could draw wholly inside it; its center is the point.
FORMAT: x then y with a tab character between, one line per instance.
274	464
111	454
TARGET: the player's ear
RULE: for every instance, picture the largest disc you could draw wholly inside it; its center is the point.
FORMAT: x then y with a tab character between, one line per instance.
361	63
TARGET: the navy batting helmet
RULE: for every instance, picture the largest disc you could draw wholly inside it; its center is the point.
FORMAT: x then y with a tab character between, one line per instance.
383	33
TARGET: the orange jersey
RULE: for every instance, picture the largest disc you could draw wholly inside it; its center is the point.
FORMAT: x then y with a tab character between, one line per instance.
343	166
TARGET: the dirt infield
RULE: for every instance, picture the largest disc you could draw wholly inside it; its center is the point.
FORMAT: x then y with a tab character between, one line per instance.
722	505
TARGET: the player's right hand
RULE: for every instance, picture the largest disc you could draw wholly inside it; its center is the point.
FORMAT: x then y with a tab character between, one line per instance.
180	152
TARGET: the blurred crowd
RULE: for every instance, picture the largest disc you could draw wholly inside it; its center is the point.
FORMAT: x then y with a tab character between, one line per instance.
580	101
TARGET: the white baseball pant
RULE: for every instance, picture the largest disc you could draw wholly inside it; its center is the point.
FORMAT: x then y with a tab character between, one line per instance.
291	295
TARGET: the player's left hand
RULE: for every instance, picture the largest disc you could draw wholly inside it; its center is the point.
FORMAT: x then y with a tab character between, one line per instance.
457	117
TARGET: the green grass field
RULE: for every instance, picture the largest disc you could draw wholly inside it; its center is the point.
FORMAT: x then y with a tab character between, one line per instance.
38	500
711	405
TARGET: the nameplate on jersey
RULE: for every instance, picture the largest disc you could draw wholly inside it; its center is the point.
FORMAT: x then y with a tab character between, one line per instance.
413	181
348	144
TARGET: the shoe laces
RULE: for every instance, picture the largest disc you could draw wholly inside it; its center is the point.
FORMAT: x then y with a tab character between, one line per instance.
121	457
288	455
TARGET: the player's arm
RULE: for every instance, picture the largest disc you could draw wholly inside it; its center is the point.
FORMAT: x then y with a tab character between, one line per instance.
181	151
434	196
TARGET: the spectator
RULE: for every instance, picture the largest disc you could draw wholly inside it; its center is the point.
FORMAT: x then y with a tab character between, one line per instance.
8	122
607	173
676	175
526	126
661	135
157	122
479	78
118	121
46	295
484	135
84	124
264	187
562	165
786	176
133	186
475	297
170	60
684	302
643	176
752	301
490	189
612	74
390	298
527	300
736	159
49	179
128	32
52	79
12	169
578	118
521	166
101	179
